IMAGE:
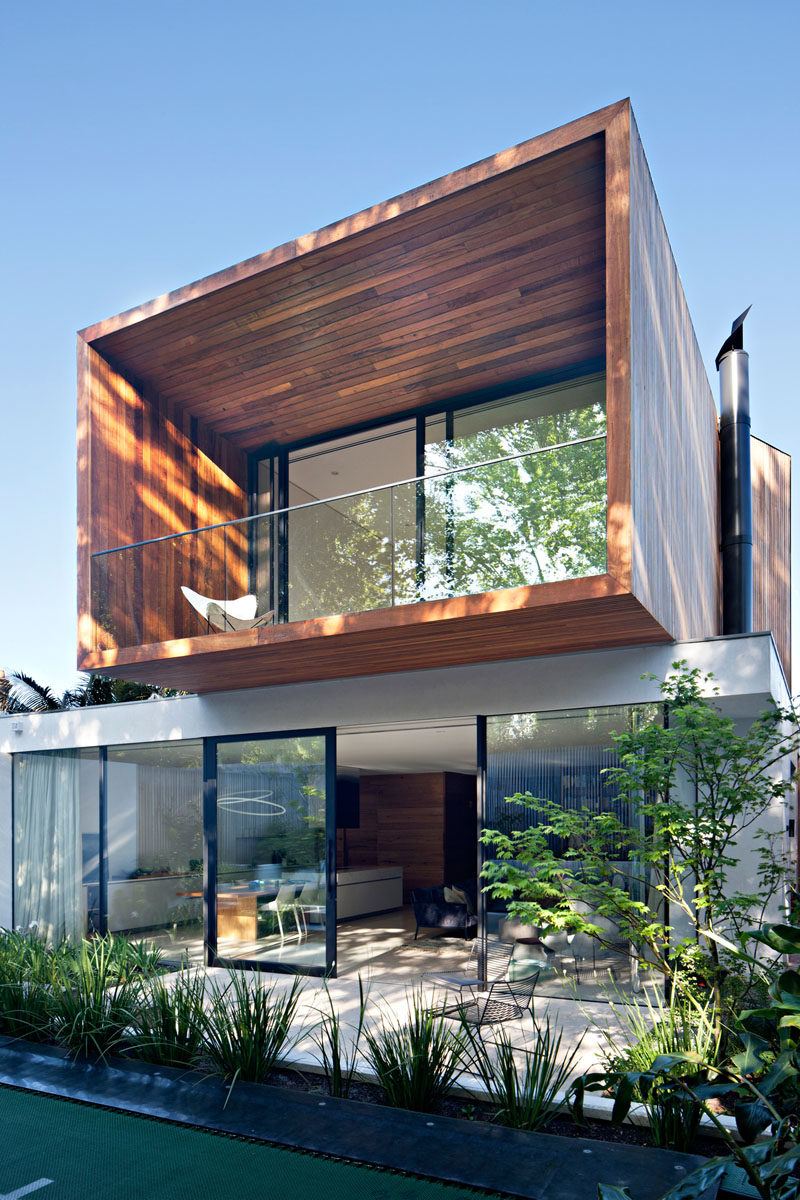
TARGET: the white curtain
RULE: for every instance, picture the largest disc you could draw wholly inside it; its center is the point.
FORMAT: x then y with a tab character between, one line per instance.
47	844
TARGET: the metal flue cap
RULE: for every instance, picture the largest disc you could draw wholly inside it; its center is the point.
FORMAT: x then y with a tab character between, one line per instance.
736	339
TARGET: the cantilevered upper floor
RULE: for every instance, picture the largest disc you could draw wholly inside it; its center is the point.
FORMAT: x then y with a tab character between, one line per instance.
471	423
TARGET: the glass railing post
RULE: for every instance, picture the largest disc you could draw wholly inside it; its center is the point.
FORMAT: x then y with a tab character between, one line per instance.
391	543
420	520
225	561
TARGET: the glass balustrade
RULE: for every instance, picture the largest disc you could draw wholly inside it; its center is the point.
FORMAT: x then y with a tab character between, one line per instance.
524	519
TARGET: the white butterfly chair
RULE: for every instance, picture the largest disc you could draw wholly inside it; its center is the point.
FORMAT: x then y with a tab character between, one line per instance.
228	615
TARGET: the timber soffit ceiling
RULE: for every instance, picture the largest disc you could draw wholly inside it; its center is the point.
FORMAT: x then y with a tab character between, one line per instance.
489	275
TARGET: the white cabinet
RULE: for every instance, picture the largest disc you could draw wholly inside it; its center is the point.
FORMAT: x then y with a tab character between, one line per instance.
363	890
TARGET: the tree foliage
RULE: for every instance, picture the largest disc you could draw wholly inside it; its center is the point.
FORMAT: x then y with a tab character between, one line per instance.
701	790
21	693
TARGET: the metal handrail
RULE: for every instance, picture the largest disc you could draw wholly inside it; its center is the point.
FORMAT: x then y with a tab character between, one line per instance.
490	462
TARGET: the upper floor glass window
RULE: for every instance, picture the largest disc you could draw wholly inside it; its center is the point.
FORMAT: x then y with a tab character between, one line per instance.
518	490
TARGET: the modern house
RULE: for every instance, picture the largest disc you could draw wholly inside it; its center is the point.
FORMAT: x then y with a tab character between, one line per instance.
409	505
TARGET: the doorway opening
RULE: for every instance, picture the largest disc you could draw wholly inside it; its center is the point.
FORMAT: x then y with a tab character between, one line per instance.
406	847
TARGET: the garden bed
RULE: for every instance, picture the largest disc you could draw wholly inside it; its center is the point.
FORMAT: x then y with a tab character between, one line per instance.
511	1162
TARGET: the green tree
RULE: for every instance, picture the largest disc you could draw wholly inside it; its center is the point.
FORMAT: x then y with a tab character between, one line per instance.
701	791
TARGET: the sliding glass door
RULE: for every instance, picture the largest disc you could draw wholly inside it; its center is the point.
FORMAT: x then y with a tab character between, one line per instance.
473	498
564	758
153	839
270	827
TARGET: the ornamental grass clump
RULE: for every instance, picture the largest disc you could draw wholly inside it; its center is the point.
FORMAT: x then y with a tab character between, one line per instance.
134	958
248	1027
417	1062
527	1085
653	1026
169	1027
338	1053
681	1029
94	1006
26	978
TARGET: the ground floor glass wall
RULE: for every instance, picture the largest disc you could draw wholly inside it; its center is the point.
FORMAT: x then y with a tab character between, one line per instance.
269	837
155	843
563	757
115	840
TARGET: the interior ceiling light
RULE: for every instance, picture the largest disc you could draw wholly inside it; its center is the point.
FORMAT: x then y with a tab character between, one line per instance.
261	806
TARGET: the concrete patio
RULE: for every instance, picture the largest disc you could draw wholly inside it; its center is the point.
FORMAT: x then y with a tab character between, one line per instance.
390	1000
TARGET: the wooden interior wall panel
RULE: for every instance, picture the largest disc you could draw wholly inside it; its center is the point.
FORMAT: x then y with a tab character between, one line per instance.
771	473
422	822
410	827
151	471
673	434
498	282
402	824
362	843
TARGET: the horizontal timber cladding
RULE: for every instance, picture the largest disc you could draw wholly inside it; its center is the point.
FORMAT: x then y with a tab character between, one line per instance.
582	614
489	284
771	476
673	436
146	470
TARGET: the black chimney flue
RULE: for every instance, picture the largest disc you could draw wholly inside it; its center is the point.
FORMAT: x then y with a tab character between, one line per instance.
736	505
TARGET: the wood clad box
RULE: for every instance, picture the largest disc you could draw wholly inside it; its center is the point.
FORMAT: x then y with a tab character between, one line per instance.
541	258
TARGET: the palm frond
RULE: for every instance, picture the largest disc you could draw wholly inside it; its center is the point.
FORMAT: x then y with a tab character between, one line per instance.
26	695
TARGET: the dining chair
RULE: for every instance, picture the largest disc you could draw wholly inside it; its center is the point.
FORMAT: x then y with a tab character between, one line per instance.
284	902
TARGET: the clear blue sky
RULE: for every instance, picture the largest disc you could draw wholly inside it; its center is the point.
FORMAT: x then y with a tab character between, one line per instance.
145	145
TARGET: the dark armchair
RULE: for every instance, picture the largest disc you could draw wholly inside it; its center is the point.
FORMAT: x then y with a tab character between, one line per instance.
432	911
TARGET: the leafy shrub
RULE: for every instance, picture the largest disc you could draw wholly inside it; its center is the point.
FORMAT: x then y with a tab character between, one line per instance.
763	1080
